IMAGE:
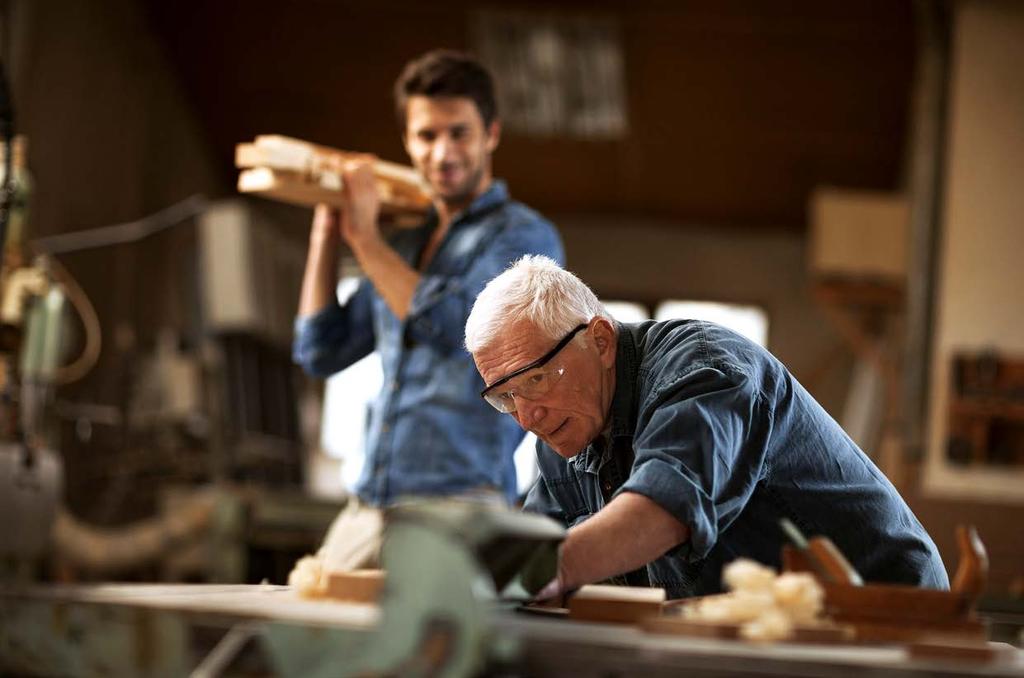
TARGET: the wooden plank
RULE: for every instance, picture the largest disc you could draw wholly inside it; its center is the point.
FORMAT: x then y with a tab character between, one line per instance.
253	155
880	630
287	187
672	625
945	649
621	604
281	152
296	189
255	601
302	173
358	586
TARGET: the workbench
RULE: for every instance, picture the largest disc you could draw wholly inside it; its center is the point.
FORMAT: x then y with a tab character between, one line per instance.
206	630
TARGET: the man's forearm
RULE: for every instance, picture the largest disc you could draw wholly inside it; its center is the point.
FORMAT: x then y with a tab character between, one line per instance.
320	279
391	276
629	532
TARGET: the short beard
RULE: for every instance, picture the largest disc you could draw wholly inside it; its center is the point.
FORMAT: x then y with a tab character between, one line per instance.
467	192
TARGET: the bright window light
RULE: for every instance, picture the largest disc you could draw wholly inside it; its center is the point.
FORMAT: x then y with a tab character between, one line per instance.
750	321
627	311
347	398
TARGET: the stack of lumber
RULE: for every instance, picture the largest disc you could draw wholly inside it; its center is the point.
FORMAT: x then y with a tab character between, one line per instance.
303	173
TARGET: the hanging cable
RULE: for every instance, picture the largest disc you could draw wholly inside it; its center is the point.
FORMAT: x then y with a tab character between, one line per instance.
103	236
90	354
119	234
7	135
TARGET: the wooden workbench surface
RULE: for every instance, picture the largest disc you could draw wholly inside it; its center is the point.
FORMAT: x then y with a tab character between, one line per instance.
258	601
546	647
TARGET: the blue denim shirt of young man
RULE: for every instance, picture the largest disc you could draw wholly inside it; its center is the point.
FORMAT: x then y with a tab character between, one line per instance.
429	433
718	433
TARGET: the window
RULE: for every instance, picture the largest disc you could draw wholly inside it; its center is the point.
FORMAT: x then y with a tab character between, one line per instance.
347	398
556	75
750	321
627	311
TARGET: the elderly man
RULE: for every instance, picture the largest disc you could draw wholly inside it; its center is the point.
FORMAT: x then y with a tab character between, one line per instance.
671	448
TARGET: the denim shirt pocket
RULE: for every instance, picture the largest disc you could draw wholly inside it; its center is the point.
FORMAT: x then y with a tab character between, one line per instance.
567	492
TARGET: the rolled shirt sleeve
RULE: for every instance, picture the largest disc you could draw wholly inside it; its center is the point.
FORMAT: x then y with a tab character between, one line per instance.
699	451
335	337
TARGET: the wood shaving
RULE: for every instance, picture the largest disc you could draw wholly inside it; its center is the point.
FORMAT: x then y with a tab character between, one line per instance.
306	577
765	605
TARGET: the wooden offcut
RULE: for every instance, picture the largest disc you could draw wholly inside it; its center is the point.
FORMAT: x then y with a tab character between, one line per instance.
621	604
858	235
357	586
302	173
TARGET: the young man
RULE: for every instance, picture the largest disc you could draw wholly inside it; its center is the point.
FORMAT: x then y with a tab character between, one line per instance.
429	435
671	448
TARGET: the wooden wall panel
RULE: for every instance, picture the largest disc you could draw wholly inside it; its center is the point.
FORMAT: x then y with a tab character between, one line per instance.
737	109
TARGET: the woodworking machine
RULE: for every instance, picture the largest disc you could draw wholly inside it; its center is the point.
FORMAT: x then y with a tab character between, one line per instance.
449	607
446	564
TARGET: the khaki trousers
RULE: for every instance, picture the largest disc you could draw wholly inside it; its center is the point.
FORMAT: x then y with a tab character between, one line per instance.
354	539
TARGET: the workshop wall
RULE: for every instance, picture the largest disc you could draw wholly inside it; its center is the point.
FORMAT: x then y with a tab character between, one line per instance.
111	139
736	111
111	135
978	297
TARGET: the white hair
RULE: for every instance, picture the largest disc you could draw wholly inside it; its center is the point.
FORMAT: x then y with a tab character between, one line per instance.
533	288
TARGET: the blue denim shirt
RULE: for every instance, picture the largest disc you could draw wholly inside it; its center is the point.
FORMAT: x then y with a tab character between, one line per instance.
715	430
429	431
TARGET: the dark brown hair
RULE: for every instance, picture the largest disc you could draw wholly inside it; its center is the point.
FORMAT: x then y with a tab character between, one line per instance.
446	73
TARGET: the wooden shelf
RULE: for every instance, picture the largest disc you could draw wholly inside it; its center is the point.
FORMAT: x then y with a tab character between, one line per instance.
986	411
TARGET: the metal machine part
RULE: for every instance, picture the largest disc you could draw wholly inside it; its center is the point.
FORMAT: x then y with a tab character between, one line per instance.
445	564
30	488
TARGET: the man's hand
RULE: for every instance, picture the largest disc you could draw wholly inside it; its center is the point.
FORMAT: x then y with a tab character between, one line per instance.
359	217
629	532
552	595
356	224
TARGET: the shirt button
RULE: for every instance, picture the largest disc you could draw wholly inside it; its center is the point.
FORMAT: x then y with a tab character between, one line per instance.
607	486
394	385
384	428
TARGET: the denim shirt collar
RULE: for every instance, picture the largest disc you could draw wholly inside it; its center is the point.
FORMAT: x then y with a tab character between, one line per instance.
409	243
627	368
495	196
622	412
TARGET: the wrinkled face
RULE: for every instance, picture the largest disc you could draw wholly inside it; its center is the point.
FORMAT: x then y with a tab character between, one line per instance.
573	411
448	143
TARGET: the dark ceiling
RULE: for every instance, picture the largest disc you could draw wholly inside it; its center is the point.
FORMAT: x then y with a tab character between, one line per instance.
737	109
